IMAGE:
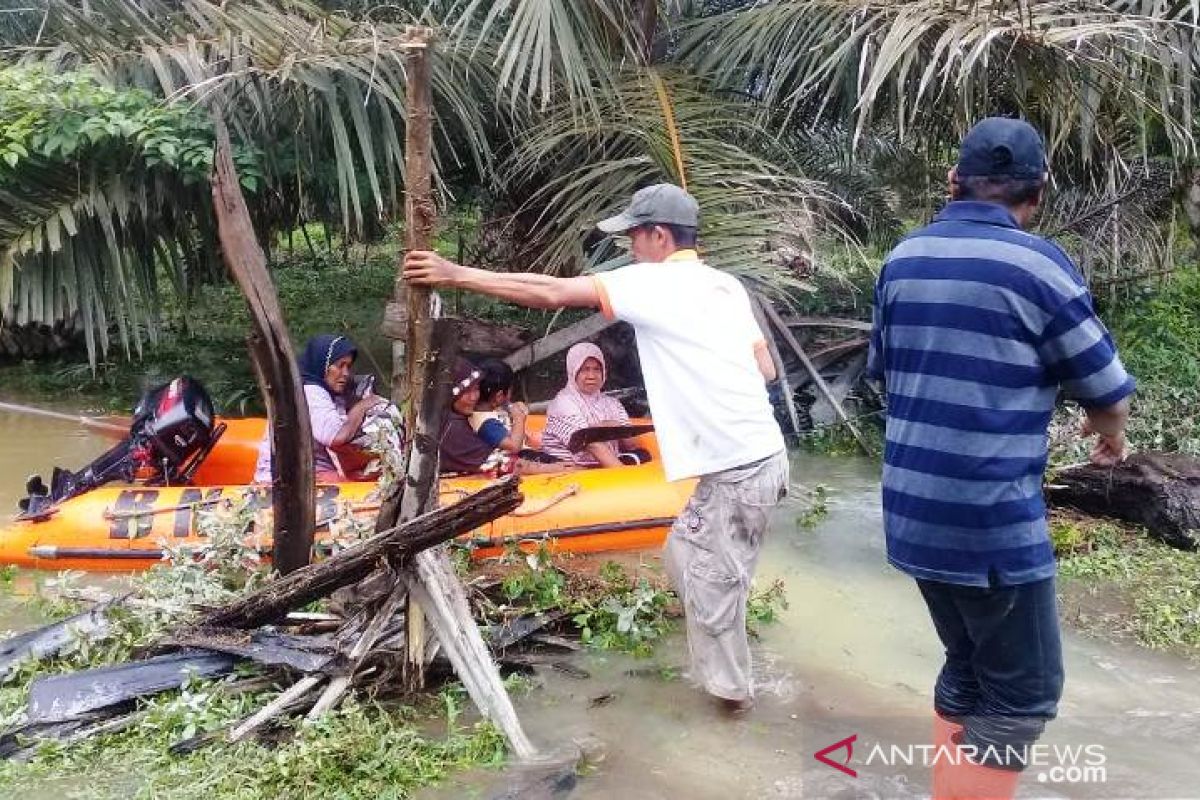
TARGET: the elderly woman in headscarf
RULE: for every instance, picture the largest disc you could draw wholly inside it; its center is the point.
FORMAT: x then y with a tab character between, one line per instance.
582	404
335	415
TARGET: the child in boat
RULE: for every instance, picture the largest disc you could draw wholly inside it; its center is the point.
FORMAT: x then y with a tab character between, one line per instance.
496	403
468	448
581	404
335	413
478	440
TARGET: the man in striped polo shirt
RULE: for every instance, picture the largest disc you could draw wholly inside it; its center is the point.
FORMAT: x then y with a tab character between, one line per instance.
978	326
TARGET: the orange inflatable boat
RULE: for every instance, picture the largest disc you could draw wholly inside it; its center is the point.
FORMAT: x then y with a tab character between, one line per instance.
125	527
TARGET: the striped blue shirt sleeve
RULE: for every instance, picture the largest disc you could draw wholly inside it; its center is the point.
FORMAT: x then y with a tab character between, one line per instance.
1080	355
875	349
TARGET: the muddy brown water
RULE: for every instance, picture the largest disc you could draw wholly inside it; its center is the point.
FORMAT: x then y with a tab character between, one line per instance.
853	655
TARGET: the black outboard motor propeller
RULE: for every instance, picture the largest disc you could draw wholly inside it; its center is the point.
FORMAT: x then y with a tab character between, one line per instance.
172	432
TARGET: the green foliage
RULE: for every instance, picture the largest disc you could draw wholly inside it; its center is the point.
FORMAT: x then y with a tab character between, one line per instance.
630	616
614	612
837	440
1158	331
88	174
816	508
358	751
540	586
1161	583
1066	536
72	117
764	605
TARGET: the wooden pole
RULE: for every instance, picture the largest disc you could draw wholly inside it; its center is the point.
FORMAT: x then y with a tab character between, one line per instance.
274	363
822	386
789	401
409	386
434	591
421	479
419	216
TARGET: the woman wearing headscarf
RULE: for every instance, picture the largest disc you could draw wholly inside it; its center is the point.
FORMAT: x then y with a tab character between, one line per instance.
582	404
335	417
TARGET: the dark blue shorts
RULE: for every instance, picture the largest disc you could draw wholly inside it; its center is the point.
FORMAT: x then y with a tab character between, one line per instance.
1003	675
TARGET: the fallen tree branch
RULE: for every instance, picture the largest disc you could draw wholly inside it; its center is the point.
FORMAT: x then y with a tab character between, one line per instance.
276	707
340	683
397	544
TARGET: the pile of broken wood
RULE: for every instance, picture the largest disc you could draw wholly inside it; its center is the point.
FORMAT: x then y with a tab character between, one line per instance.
314	658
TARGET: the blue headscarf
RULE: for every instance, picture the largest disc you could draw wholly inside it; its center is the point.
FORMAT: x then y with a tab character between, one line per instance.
321	351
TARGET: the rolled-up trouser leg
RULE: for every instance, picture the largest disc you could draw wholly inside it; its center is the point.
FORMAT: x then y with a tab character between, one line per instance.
711	554
1010	638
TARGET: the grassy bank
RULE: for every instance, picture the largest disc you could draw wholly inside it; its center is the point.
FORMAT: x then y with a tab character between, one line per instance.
1119	583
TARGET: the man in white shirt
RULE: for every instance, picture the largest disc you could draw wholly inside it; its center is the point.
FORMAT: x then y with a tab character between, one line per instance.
705	363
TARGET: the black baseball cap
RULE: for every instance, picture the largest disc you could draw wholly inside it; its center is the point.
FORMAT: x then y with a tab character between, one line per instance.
1001	147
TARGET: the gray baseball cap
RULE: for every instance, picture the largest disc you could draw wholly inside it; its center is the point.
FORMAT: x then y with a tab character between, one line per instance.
663	203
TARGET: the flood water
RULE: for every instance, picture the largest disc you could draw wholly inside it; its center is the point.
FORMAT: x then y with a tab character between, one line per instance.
854	655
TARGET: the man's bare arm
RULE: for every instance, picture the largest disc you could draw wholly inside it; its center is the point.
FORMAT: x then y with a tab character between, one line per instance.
1109	424
426	268
766	364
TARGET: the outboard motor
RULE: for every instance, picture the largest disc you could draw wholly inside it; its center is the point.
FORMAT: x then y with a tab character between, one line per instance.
172	432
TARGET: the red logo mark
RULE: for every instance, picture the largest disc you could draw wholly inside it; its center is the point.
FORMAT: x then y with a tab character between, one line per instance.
843	766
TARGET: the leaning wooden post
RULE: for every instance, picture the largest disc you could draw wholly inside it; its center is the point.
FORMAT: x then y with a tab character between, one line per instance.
273	360
757	303
433	588
421	478
822	386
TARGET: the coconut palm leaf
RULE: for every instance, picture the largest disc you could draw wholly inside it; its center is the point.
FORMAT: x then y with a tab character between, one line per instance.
1086	72
326	90
546	48
288	66
1113	231
756	212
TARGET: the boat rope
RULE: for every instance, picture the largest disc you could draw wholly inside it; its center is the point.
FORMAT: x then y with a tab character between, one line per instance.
535	508
109	514
149	512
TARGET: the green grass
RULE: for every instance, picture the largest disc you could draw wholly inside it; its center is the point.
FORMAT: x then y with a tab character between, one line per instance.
1157	329
363	751
1159	585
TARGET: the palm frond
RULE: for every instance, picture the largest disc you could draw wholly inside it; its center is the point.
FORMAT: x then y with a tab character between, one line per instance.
547	49
318	104
287	66
1085	73
1114	232
755	212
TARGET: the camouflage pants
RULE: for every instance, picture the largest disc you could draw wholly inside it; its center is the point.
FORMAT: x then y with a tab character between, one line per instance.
710	556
